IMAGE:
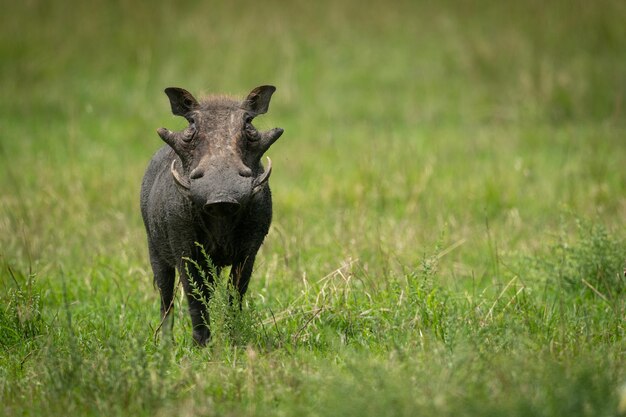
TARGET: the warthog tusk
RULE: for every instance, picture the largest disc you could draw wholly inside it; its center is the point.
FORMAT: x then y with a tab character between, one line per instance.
179	180
258	183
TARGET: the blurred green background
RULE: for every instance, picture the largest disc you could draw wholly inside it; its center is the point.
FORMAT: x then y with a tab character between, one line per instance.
411	115
479	132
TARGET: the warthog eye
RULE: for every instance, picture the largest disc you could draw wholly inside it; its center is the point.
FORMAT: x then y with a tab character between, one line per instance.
250	131
190	131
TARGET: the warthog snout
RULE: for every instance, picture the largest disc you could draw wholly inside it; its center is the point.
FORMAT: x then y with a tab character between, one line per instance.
221	208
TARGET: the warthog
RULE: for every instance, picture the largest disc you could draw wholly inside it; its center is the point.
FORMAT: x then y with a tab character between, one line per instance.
207	191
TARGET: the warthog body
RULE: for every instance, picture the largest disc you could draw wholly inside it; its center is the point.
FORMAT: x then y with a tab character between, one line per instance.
207	187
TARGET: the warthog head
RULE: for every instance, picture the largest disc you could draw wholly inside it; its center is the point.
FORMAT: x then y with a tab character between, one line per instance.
220	150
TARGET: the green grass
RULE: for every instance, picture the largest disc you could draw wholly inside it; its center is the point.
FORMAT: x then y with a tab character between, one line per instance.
449	206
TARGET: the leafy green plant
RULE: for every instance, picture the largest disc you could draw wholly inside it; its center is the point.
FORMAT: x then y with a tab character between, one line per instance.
233	322
592	265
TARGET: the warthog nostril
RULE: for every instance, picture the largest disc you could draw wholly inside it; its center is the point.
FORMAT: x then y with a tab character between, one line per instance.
222	208
245	172
196	173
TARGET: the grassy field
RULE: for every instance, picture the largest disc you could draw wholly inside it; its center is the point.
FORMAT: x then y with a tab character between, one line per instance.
449	209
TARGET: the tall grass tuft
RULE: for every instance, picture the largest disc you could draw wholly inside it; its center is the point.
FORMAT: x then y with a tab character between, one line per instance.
20	313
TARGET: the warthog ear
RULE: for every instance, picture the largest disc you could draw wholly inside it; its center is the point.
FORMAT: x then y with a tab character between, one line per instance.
181	100
258	101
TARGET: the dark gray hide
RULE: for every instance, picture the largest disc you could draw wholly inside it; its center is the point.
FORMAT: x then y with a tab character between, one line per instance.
208	186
